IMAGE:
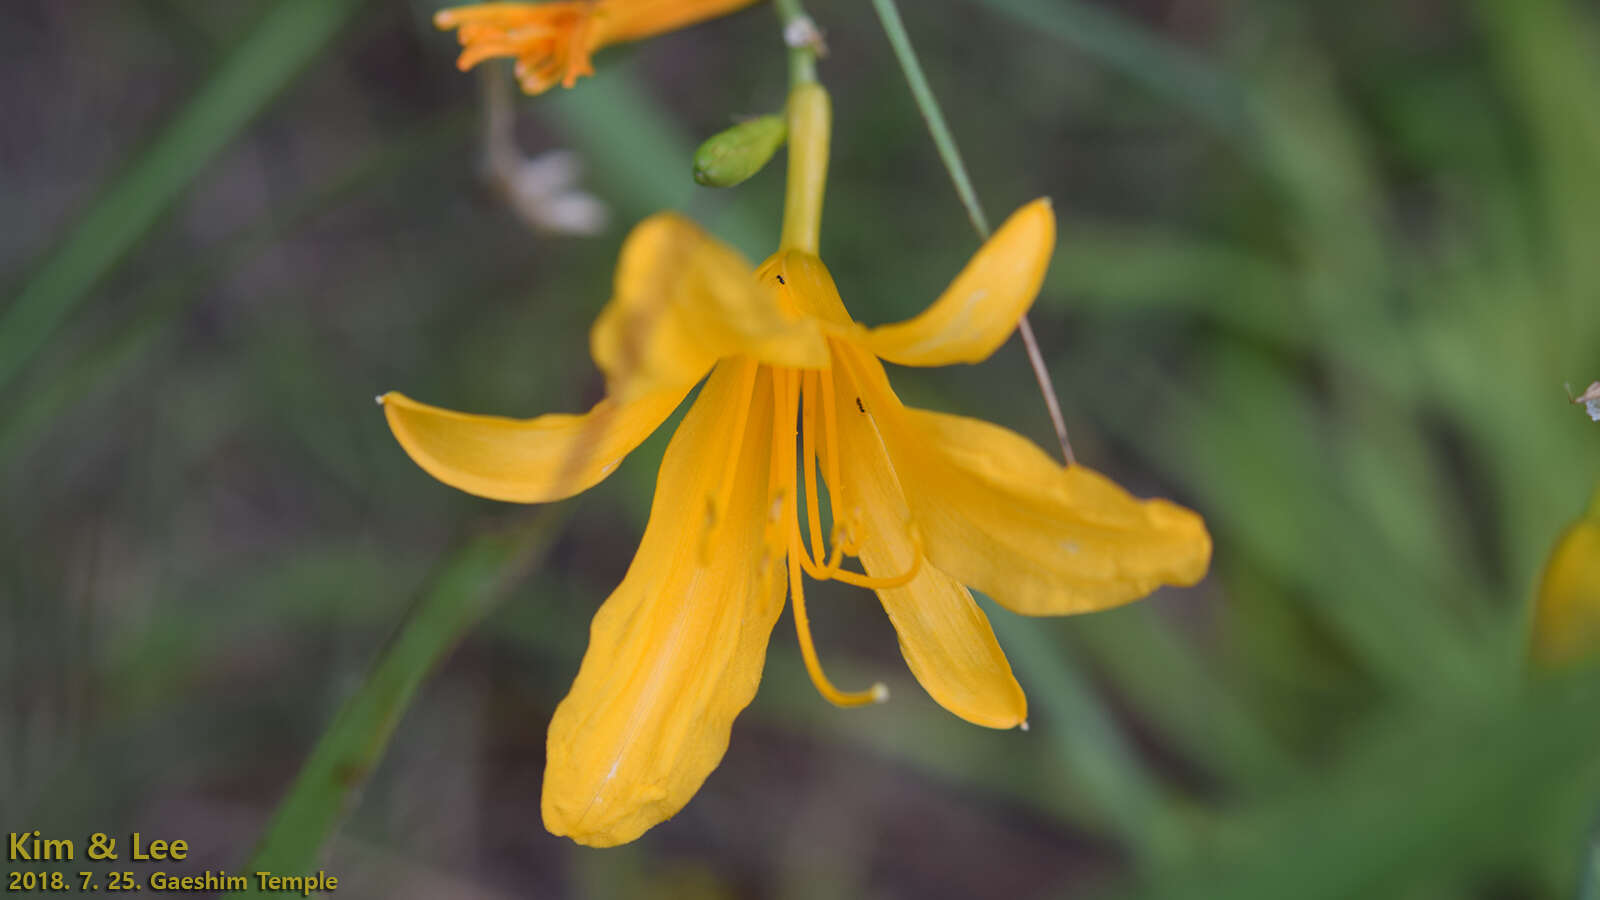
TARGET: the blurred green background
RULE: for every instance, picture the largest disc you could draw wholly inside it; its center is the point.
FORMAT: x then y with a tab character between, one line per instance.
1323	271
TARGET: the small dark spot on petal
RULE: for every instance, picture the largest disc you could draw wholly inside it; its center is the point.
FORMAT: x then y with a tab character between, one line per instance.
781	281
859	406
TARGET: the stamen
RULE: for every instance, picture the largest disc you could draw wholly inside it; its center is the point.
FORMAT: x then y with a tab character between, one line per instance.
831	417
879	582
820	572
816	570
833	570
860	378
808	459
777	480
878	693
811	561
786	394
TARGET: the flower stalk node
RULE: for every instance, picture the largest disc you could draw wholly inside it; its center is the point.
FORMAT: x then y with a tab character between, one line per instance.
802	33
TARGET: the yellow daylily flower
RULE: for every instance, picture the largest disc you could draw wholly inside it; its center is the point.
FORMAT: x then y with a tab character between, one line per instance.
1566	621
928	502
552	42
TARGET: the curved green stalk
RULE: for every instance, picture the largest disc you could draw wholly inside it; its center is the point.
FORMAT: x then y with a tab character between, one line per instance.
465	588
895	30
802	55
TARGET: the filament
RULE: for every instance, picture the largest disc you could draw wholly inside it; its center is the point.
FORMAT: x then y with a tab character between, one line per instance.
782	452
811	561
786	393
873	421
877	582
830	416
808	460
878	693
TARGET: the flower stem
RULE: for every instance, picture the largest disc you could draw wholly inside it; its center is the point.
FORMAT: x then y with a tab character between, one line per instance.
895	30
810	121
802	53
810	118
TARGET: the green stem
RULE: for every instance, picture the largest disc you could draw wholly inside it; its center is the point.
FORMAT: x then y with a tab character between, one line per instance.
895	30
802	56
465	590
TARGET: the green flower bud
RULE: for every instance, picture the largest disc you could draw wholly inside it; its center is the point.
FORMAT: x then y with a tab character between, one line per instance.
730	157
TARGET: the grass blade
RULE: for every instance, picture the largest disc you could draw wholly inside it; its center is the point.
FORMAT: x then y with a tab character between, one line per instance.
156	307
1474	782
280	46
464	590
1092	745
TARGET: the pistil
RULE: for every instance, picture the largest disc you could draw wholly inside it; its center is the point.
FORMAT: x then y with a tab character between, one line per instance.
786	384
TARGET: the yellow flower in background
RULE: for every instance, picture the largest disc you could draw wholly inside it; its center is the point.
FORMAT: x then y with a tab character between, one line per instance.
927	502
552	42
1566	622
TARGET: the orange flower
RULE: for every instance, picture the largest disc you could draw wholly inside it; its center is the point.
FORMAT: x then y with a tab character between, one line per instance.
552	42
927	502
796	400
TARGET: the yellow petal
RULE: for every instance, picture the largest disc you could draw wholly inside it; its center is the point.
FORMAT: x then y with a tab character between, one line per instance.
979	310
1001	516
677	650
525	460
1566	624
806	288
945	638
682	301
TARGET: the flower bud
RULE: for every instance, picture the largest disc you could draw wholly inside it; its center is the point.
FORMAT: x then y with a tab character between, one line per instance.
1566	620
732	156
